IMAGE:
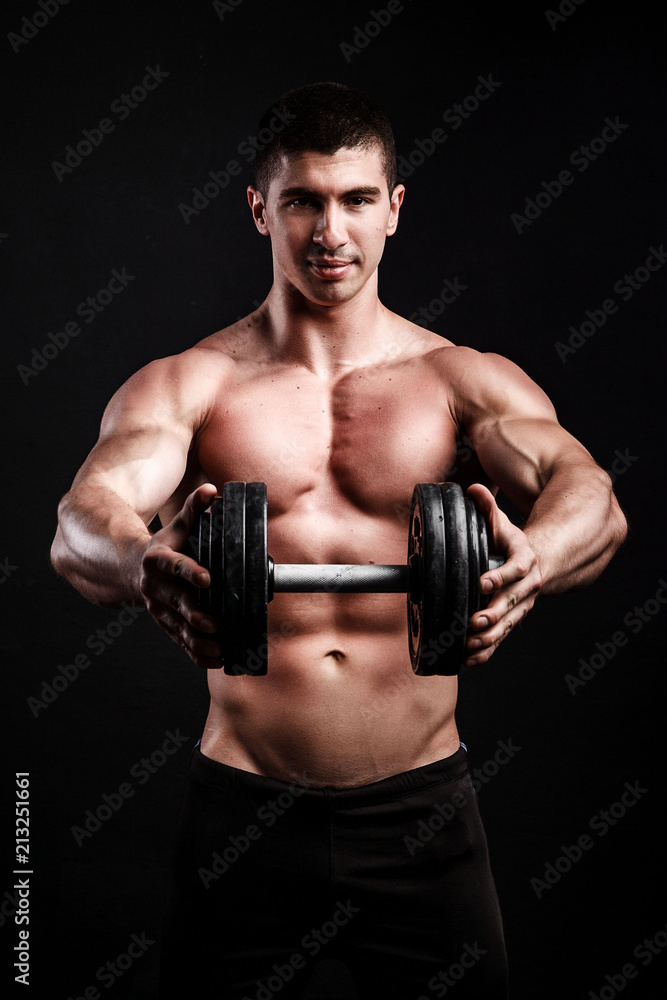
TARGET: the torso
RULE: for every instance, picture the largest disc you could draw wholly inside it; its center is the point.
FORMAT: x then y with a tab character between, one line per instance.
340	704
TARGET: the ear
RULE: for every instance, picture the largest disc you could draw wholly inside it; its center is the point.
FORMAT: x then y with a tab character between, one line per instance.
258	209
396	202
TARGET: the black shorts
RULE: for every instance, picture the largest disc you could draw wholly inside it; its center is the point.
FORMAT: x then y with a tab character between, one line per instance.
377	892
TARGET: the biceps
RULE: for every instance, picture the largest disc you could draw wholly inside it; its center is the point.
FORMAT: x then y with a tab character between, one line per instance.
521	455
143	467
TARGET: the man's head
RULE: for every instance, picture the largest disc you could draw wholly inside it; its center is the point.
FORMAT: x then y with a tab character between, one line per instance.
323	118
325	191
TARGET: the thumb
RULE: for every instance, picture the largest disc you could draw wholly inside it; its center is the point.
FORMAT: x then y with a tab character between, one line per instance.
197	502
495	518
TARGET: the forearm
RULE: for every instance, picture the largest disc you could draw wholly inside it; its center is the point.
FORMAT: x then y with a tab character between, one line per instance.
99	545
575	527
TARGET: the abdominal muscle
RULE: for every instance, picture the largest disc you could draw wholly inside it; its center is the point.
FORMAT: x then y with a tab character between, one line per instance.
340	705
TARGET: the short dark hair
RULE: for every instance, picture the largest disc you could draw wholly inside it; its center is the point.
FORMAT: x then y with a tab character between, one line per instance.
323	118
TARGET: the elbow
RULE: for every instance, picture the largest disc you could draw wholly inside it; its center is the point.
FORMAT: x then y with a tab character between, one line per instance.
620	525
55	554
58	553
616	521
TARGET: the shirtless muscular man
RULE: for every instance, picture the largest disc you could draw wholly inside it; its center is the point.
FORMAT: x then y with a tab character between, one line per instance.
310	781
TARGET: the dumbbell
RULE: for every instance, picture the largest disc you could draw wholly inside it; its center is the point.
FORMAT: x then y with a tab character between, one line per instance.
447	554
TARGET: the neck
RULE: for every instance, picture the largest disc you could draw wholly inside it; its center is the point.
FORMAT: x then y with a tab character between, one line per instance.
326	339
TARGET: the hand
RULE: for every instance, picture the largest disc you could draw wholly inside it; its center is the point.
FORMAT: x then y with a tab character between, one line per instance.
514	586
168	578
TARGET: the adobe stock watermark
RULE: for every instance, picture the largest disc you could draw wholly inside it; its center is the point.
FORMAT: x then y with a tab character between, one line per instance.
431	650
635	620
449	293
6	569
122	107
113	802
238	845
444	812
644	952
364	34
9	907
220	179
88	310
581	158
30	26
625	288
222	7
97	642
115	968
444	980
454	116
620	464
312	944
566	9
601	823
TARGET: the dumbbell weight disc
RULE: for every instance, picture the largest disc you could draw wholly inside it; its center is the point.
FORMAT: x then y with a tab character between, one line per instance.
210	557
483	556
256	609
427	595
457	575
474	557
205	596
232	606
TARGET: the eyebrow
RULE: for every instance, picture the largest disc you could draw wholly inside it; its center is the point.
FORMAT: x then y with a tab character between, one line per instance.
302	192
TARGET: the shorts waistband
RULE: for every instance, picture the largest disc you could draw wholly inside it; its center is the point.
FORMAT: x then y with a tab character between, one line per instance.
223	776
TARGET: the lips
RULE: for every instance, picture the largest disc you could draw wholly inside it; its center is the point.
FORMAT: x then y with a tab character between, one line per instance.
330	269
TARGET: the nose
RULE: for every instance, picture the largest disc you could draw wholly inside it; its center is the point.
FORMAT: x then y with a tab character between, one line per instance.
330	229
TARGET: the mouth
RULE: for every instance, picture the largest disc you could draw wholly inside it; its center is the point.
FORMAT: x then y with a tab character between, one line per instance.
330	270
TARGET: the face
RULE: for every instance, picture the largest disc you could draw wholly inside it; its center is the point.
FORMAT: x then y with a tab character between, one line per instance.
328	218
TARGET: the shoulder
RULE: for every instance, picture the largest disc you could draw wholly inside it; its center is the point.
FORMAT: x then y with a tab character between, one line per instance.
487	383
475	381
180	388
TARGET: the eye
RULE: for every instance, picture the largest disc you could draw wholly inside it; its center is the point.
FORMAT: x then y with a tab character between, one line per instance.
299	202
357	201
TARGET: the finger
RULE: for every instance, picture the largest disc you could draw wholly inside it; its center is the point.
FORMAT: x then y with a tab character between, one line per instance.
182	602
485	502
176	533
499	526
511	582
498	625
480	647
162	565
516	589
204	662
195	503
199	646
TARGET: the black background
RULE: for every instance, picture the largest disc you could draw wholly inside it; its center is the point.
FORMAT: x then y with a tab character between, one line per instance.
120	208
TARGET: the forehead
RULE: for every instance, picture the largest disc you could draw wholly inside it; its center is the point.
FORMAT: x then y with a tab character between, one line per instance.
344	170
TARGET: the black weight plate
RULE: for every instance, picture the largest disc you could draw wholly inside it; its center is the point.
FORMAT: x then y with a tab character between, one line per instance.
483	555
256	623
233	578
215	565
427	598
209	556
457	573
203	558
473	559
